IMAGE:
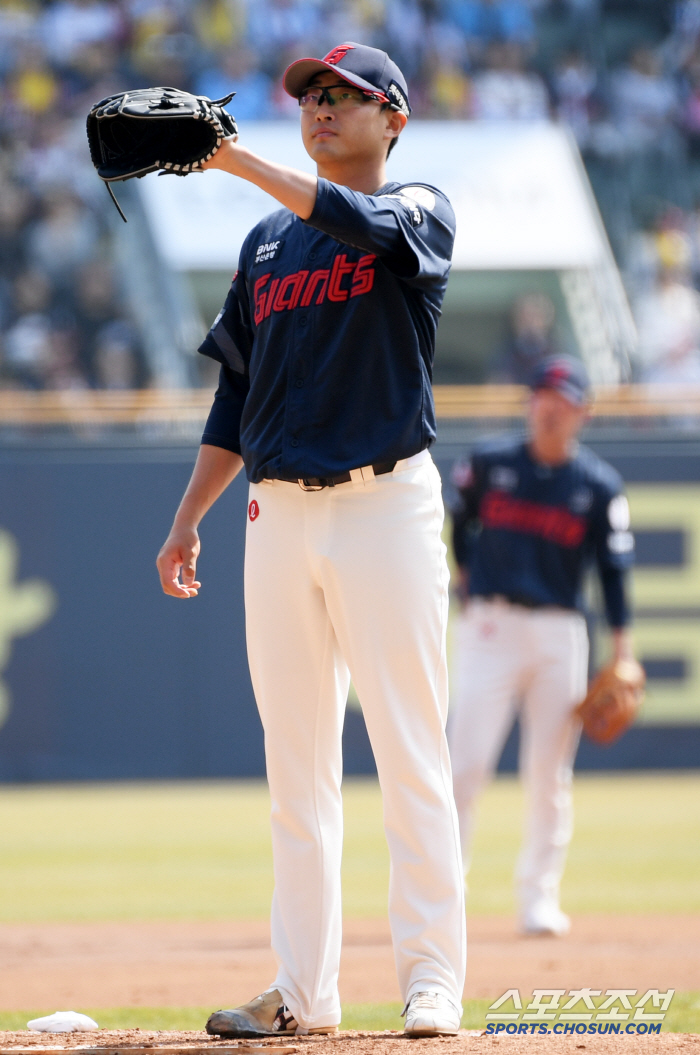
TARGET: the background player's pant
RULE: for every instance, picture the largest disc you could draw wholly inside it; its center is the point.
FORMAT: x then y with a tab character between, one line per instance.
535	659
353	579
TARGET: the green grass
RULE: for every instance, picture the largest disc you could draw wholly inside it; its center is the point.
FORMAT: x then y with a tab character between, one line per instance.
682	1017
197	850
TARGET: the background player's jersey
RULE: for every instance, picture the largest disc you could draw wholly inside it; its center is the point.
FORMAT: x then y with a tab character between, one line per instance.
327	336
528	532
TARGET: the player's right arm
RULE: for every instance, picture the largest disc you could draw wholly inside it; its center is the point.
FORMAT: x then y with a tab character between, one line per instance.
214	470
219	460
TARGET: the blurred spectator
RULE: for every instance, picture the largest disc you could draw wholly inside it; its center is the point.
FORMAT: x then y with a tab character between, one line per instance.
574	84
218	24
15	206
63	239
691	106
163	48
115	359
449	90
645	103
486	21
506	91
71	25
100	323
531	340
32	84
276	26
27	351
668	324
63	322
238	71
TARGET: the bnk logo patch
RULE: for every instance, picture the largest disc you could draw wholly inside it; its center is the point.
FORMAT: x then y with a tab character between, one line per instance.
268	251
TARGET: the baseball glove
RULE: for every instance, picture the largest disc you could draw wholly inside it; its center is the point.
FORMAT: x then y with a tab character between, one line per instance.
612	701
155	129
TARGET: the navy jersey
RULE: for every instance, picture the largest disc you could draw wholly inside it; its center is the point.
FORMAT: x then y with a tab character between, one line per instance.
528	532
327	336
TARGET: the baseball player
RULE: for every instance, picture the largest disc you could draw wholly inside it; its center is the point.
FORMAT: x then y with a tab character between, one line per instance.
531	517
326	345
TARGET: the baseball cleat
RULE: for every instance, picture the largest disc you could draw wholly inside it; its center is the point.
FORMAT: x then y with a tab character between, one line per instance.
545	920
430	1015
265	1016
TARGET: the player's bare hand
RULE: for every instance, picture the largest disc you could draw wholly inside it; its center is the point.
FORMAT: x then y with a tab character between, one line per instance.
221	158
177	563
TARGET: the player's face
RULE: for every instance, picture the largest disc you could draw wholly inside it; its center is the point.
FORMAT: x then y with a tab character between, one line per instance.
553	418
352	130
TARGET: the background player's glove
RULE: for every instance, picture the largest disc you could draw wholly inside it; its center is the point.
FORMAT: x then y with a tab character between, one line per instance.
612	701
155	129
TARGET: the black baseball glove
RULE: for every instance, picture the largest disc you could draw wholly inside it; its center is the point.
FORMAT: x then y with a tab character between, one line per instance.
155	129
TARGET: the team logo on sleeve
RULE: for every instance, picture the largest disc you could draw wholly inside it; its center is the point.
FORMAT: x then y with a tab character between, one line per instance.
620	539
581	500
503	478
422	195
268	251
415	211
619	513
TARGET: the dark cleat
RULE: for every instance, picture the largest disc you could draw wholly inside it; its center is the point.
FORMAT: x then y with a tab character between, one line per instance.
265	1016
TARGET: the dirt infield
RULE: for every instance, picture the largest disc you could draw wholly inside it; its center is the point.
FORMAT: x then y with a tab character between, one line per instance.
221	964
348	1042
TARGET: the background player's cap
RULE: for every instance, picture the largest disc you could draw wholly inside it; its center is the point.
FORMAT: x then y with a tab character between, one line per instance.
564	374
365	67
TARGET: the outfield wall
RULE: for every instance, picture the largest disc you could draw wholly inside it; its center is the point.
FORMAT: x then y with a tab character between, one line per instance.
103	677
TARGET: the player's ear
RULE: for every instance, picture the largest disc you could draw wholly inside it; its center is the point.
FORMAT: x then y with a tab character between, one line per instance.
395	122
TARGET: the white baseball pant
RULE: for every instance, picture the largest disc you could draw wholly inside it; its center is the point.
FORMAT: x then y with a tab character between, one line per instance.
512	658
352	580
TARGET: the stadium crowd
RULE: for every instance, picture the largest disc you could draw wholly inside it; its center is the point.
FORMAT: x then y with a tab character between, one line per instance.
64	322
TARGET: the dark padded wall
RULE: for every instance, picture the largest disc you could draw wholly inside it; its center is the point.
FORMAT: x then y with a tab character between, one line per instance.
122	682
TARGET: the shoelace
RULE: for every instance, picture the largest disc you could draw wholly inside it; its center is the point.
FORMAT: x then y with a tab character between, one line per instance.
426	1001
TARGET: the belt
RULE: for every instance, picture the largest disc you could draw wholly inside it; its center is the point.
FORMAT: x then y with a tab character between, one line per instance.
317	483
519	599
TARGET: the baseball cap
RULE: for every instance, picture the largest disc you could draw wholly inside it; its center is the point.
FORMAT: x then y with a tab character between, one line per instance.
365	67
564	374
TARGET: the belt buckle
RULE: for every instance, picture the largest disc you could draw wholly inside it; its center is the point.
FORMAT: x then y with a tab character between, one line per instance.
306	486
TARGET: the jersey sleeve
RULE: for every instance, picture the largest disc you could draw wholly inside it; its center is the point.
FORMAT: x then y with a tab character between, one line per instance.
229	342
411	229
466	479
230	339
614	550
223	425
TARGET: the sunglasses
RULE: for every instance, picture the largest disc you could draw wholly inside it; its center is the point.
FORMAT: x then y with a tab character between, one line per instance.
344	96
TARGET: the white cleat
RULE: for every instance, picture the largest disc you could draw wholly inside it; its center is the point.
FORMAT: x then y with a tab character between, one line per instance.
431	1015
545	920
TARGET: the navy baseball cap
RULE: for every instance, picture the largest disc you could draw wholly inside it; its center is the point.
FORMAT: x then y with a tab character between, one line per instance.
365	67
564	374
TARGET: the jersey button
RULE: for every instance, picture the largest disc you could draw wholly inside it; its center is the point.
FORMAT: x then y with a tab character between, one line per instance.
299	383
294	443
303	320
312	255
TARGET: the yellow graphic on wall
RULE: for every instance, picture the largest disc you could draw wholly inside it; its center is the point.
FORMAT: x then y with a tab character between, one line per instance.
667	603
24	607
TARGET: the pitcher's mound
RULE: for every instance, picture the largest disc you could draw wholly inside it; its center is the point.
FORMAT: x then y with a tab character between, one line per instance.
346	1042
